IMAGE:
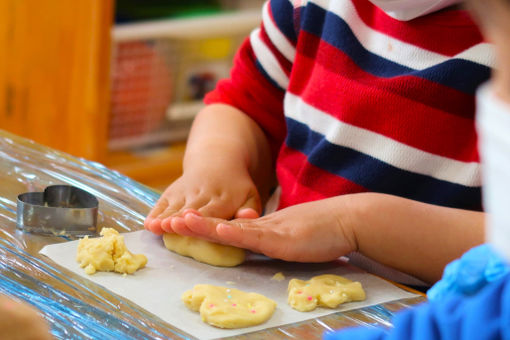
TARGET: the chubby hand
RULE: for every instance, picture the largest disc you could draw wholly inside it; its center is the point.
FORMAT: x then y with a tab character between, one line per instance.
222	193
21	321
309	232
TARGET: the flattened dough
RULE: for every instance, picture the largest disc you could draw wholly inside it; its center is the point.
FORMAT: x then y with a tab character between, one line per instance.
325	291
228	307
204	251
108	253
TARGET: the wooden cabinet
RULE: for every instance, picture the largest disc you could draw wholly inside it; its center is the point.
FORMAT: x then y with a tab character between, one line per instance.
54	73
58	64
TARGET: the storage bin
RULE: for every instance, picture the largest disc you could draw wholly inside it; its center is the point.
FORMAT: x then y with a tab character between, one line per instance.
162	69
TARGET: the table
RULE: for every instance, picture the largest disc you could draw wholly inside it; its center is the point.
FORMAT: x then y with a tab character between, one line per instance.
77	308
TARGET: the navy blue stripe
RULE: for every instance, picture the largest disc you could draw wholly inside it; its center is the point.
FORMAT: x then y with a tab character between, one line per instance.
283	12
266	75
459	74
376	175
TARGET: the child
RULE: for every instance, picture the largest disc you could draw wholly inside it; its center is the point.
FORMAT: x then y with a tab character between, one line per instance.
486	314
367	122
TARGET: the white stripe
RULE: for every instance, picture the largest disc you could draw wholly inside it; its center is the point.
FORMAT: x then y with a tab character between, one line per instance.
381	147
396	50
268	61
277	37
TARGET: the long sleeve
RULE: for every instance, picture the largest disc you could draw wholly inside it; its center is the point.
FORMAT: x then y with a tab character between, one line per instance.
483	316
261	70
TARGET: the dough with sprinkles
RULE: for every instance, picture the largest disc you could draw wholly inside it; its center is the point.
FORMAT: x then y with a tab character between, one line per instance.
323	291
228	307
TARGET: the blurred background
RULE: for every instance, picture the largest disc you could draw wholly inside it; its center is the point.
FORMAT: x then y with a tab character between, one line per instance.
117	82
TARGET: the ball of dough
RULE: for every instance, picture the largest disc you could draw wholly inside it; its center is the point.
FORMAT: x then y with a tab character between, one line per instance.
108	253
204	251
228	307
325	291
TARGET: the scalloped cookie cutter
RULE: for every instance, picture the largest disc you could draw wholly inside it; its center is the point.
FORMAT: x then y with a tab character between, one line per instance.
58	210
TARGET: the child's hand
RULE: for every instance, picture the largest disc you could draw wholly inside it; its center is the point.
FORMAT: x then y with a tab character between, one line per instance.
21	321
222	193
309	232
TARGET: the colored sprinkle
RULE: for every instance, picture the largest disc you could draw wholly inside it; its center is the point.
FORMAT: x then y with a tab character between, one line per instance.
233	305
211	305
253	311
331	292
309	298
307	285
229	296
299	292
228	290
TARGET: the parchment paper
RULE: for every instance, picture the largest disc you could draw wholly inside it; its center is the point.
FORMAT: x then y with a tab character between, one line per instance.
158	287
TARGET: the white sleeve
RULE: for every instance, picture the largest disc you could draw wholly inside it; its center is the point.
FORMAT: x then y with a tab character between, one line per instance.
493	125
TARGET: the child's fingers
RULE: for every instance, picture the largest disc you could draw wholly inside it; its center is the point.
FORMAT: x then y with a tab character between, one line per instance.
203	227
155	227
172	208
217	208
242	234
160	206
247	213
180	227
249	209
246	235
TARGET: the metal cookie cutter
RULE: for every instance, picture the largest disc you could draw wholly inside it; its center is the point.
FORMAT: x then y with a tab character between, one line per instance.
59	210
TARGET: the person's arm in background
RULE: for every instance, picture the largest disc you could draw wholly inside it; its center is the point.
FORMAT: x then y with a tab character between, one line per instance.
413	237
228	168
20	321
486	314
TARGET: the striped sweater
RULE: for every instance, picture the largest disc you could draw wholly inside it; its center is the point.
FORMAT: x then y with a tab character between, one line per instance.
353	100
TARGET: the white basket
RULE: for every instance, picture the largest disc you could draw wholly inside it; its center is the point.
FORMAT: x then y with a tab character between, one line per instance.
162	69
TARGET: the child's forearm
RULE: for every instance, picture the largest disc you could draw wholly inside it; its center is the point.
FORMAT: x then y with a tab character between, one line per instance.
413	237
222	136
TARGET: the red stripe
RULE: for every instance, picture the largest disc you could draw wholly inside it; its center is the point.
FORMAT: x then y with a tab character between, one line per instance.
303	182
440	27
381	105
285	64
249	91
419	89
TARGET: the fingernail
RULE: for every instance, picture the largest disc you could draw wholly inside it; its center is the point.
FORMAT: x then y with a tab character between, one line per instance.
166	224
192	215
222	226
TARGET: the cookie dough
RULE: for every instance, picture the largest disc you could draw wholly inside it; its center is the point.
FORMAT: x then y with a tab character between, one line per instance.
228	307
108	253
278	277
324	290
204	251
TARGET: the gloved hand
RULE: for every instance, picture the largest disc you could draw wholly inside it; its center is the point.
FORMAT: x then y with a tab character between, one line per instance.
467	275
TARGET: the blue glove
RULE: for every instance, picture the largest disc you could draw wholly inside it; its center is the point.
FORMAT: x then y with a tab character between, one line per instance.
483	316
467	275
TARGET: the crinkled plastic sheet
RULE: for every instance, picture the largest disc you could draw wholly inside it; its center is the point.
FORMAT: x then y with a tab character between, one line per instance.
75	307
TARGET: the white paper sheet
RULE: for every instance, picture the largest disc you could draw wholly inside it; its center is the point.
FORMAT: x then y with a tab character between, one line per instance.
158	287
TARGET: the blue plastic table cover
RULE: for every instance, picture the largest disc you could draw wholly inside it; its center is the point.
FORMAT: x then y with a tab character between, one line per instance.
77	308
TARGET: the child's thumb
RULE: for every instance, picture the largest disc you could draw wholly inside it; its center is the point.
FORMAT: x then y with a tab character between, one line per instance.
250	208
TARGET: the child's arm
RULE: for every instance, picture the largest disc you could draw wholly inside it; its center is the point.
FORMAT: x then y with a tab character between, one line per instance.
228	163
227	158
413	237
